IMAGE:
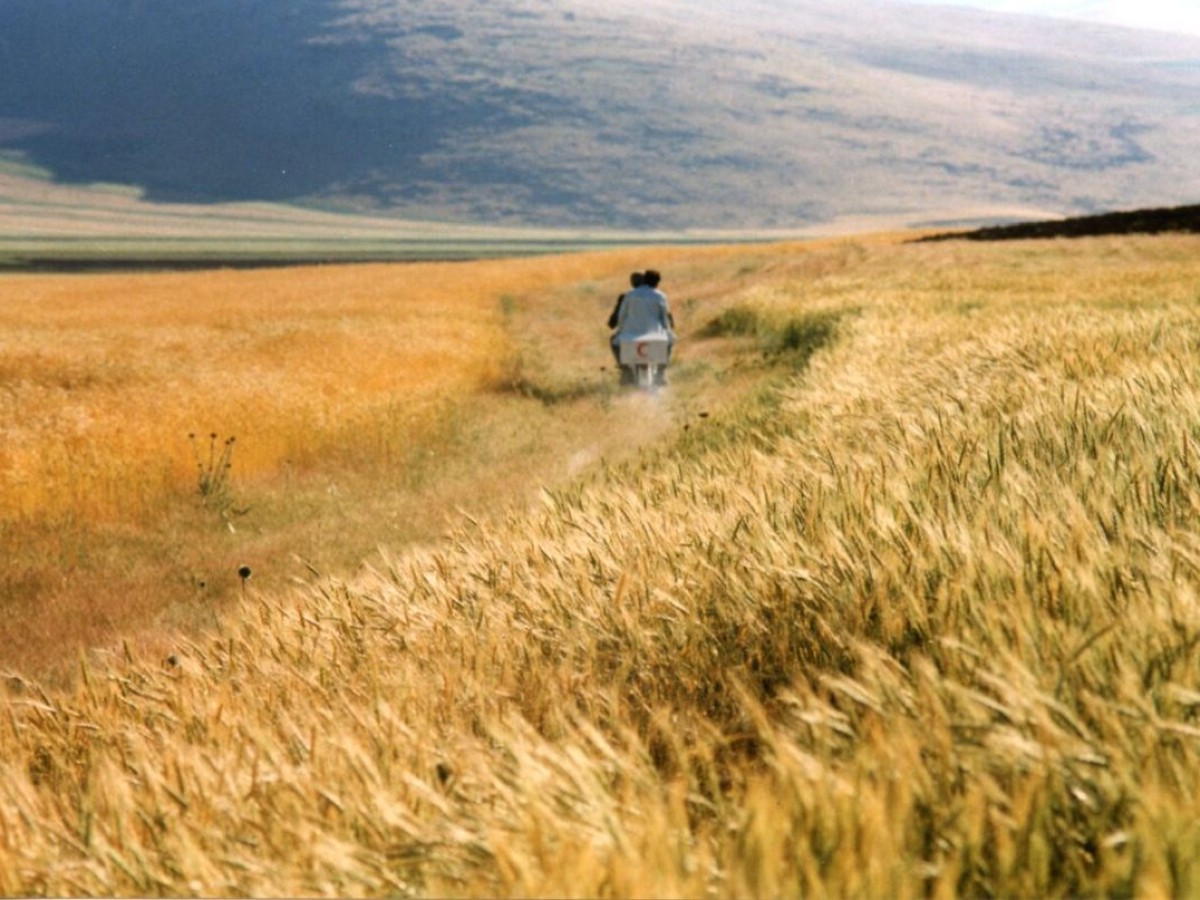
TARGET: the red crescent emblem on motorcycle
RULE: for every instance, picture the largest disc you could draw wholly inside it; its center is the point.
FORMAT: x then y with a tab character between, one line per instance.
641	350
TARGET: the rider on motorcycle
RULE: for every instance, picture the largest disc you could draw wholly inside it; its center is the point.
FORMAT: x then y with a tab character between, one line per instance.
643	311
635	280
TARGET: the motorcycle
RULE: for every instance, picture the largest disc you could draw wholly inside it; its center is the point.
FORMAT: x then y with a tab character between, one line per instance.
645	356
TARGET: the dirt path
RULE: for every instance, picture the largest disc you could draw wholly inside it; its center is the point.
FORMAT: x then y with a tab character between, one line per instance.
561	410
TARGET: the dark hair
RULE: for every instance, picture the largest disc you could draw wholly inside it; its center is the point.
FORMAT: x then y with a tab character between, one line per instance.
651	277
636	278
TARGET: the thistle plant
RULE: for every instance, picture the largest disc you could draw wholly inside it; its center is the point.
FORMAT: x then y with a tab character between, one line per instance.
213	468
213	472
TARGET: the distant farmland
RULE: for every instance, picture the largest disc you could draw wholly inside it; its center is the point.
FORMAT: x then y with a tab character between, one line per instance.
46	226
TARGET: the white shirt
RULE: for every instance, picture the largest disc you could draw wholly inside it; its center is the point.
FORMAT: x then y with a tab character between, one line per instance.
643	311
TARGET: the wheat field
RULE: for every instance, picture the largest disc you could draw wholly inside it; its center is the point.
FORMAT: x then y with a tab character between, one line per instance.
913	611
291	400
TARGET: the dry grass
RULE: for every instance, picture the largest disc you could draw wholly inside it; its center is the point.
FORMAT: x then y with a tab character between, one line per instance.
917	618
361	402
105	379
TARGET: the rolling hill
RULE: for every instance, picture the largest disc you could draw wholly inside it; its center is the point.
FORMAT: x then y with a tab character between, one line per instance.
771	114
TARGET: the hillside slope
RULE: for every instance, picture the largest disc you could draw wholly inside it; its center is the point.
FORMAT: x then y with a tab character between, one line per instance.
771	113
917	618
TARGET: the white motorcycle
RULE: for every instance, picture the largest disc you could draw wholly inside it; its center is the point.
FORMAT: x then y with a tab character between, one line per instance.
646	356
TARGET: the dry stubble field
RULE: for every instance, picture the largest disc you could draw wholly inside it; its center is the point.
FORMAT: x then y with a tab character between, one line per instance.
912	610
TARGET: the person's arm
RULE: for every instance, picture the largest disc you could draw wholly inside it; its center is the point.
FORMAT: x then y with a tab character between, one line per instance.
612	320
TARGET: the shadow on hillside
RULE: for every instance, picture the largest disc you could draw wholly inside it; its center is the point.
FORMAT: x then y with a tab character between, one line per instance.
1178	219
214	101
